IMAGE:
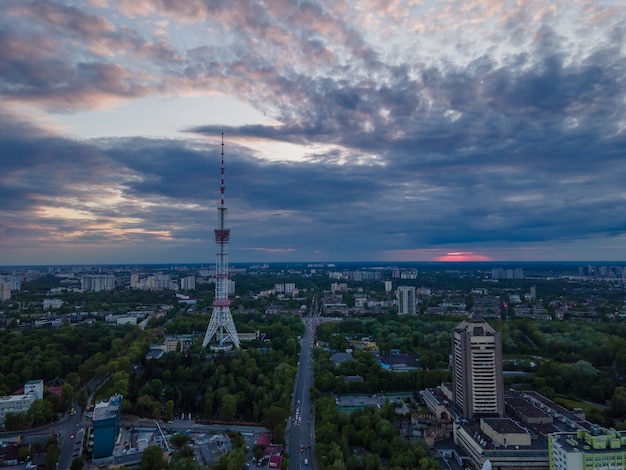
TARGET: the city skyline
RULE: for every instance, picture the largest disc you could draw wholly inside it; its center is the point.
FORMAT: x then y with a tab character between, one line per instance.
374	130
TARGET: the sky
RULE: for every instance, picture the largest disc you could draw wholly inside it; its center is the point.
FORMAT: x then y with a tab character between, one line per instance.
354	130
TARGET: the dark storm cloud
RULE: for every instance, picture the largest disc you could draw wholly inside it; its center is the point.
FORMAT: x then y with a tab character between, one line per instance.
540	121
515	134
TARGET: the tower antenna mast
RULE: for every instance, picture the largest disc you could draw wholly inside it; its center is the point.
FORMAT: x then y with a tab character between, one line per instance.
221	326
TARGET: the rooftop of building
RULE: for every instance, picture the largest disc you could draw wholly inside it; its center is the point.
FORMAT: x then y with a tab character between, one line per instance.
524	404
476	326
402	360
19	397
598	440
504	425
107	409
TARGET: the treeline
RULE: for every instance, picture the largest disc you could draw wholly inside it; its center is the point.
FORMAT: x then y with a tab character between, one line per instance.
332	378
68	357
583	360
364	439
428	336
81	352
574	359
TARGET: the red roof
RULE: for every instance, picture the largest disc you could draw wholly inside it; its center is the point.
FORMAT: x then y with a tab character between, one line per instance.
264	440
275	461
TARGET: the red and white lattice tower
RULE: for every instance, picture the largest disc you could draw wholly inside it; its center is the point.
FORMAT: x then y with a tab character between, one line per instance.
221	326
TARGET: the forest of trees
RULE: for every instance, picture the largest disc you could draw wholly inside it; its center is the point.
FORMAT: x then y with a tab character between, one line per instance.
252	384
571	359
365	439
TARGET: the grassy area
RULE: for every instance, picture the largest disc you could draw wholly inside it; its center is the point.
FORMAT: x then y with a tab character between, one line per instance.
588	408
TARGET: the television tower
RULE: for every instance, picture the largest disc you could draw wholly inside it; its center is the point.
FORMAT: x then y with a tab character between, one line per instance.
221	326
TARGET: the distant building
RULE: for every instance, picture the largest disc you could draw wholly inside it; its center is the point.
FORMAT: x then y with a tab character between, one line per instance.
178	343
5	291
106	426
406	300
287	288
97	282
50	304
188	283
339	287
502	273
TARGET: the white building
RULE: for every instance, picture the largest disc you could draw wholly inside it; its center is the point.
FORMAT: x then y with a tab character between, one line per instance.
405	296
97	282
35	387
33	390
15	404
50	304
188	283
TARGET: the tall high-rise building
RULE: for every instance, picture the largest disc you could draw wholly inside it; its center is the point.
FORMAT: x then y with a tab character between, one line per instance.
477	380
406	300
221	326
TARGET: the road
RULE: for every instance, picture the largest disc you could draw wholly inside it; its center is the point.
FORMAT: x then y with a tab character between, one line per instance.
71	435
300	430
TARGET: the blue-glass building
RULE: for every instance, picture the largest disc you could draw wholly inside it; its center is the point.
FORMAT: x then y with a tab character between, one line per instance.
106	426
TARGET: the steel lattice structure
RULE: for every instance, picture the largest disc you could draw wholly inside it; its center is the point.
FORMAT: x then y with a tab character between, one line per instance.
221	326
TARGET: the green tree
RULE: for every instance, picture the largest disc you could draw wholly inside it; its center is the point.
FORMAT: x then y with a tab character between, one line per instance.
41	412
23	454
73	379
16	421
169	409
228	408
52	453
180	439
153	459
67	393
618	402
78	463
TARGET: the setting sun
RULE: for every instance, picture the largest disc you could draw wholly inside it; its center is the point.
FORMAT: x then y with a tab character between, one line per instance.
463	256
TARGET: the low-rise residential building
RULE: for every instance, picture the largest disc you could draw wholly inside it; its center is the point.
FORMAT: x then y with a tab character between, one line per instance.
15	404
20	403
586	450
